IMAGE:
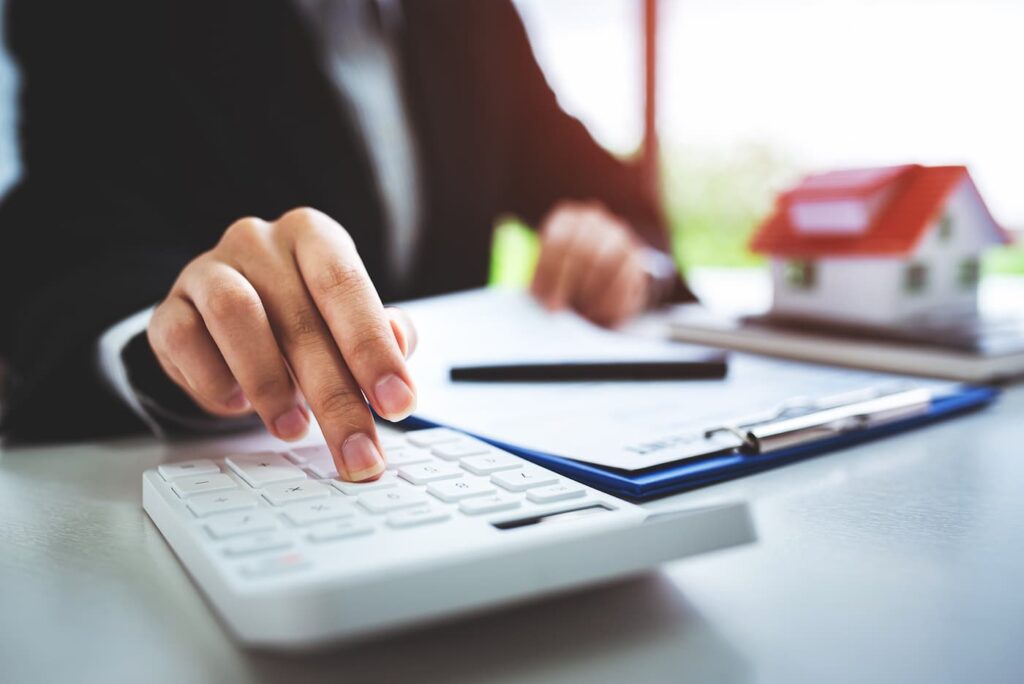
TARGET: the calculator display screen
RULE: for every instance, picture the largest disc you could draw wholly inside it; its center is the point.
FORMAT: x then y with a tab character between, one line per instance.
558	516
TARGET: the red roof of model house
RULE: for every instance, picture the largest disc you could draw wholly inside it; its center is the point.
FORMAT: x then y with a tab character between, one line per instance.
862	212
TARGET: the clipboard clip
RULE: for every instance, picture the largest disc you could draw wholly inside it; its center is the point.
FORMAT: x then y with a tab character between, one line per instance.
783	430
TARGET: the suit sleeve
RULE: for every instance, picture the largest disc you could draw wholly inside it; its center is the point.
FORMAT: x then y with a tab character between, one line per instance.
553	156
82	244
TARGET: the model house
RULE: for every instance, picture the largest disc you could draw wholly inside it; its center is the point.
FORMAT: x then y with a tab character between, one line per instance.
883	246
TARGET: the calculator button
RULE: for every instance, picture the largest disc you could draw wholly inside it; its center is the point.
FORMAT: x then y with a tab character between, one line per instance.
418	516
268	567
200	484
524	478
392	500
456	450
391	441
200	466
308	454
490	463
479	505
221	502
310	512
338	530
555	492
423	438
257	543
263	468
386	481
456	490
283	493
225	526
422	473
404	457
325	470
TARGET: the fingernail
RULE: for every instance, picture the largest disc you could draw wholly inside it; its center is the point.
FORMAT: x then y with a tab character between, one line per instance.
394	398
362	460
237	401
292	424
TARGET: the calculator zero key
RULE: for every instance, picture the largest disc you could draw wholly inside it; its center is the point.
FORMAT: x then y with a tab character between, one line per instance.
311	571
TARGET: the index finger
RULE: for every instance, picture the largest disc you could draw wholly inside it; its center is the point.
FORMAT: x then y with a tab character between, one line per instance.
346	298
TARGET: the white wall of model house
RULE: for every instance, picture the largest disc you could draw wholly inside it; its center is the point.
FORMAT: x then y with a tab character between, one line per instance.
879	290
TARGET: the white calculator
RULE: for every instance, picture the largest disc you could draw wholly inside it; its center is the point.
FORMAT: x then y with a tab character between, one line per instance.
293	558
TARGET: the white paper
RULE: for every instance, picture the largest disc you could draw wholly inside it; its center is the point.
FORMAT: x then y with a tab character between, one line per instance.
626	425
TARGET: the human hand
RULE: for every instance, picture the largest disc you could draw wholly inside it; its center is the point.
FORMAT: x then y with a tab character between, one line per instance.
591	261
280	313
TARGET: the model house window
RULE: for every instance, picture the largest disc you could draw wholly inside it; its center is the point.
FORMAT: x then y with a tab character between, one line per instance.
969	273
945	227
801	275
915	277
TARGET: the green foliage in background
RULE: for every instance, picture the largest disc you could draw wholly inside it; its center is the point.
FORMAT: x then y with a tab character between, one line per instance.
514	254
715	200
1006	260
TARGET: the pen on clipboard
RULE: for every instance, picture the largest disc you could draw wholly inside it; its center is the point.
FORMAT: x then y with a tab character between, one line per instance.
712	366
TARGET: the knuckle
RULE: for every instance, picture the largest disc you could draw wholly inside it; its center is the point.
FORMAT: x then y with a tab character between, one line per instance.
178	332
268	388
338	403
244	231
301	221
368	344
304	326
300	215
225	299
340	280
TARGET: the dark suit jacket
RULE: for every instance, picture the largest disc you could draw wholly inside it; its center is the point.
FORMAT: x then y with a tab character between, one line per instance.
148	127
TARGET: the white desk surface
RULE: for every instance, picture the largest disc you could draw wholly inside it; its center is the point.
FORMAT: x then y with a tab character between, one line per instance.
899	560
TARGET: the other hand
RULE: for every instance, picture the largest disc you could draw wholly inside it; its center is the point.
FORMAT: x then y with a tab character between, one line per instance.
283	313
592	262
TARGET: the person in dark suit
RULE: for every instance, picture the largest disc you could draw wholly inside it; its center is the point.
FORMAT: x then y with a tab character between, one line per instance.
266	174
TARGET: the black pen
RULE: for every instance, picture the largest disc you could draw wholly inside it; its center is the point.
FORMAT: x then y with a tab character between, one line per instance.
708	367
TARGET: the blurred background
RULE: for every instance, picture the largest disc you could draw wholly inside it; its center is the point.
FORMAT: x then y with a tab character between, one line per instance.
752	94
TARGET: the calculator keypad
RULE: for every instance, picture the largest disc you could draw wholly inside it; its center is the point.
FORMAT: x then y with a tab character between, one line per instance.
267	512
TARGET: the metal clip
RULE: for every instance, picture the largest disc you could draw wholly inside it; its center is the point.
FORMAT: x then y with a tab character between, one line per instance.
771	435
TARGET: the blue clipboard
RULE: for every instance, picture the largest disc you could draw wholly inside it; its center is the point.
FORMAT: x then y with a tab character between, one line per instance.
677	477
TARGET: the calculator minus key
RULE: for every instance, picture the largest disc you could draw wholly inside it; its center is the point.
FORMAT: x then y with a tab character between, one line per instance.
199	466
201	484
